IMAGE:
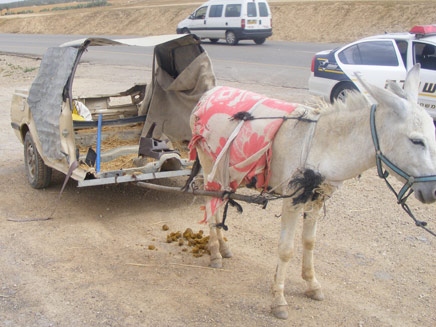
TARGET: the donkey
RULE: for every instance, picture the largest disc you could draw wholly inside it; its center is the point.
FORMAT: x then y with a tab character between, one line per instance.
312	153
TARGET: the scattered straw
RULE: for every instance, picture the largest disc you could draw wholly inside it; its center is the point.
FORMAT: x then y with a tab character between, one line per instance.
177	264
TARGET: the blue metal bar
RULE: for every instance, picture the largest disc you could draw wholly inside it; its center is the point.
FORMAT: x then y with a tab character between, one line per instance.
97	162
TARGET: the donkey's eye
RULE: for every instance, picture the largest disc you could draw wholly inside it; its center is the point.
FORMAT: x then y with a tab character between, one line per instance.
418	142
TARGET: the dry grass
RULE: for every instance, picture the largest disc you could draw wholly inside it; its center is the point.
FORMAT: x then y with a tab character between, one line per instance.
306	21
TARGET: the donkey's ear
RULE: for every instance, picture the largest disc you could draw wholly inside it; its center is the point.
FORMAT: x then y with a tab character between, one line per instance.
384	97
396	89
411	85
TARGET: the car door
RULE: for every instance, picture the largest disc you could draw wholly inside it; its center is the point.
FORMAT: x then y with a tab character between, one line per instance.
252	16
425	54
214	22
198	22
264	16
377	61
232	16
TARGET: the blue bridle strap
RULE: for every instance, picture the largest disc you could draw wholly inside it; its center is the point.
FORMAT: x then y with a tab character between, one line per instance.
380	157
410	180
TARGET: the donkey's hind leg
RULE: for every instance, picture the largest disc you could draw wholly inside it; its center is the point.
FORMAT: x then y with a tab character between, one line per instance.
309	234
215	235
217	246
216	259
224	248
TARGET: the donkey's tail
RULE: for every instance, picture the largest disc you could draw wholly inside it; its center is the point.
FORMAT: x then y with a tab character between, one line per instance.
196	167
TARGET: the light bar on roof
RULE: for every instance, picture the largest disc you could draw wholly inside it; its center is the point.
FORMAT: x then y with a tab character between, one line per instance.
423	29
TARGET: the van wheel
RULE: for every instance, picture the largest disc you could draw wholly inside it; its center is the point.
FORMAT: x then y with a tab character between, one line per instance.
231	38
213	40
260	40
185	31
38	174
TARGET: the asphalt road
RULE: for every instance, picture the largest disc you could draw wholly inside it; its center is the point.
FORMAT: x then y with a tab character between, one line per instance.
284	64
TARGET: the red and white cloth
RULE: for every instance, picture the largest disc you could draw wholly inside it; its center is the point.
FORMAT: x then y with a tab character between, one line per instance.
241	149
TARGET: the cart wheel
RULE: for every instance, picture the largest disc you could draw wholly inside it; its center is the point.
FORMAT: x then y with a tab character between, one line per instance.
38	174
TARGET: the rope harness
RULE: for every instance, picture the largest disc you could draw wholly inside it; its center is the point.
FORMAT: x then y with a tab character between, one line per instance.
265	196
406	190
381	159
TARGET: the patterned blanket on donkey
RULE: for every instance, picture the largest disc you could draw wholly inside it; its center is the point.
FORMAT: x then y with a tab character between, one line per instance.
241	148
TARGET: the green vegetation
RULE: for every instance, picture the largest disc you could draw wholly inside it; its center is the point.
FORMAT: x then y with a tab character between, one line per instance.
28	3
100	3
8	69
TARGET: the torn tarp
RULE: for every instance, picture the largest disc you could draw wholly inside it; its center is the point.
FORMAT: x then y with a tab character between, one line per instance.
45	97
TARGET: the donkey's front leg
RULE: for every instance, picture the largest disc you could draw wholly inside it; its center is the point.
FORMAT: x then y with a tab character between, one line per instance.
290	215
309	233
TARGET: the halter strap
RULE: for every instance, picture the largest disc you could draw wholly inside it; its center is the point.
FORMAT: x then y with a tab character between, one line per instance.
410	180
380	157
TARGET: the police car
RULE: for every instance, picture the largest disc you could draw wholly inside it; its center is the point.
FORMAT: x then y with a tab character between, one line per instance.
379	59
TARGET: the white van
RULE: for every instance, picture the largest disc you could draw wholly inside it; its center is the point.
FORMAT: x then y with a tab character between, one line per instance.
232	20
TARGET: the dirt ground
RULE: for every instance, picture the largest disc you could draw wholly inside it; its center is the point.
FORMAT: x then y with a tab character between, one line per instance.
91	265
302	21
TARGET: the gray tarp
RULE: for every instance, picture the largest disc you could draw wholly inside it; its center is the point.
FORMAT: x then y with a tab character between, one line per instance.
173	99
45	97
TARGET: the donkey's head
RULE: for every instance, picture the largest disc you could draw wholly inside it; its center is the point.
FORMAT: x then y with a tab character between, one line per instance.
406	132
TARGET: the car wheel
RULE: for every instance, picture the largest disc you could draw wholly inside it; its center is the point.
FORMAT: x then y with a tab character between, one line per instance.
38	174
339	93
213	40
231	38
260	40
186	31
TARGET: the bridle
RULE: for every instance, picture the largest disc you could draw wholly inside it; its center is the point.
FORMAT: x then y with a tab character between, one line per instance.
406	190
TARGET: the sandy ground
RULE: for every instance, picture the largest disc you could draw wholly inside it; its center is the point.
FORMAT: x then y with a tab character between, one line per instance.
303	21
91	266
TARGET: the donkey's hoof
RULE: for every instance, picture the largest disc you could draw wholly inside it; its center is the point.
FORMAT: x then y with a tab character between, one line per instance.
216	263
226	253
315	294
280	312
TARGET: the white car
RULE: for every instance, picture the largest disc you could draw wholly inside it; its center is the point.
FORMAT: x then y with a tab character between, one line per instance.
231	20
378	59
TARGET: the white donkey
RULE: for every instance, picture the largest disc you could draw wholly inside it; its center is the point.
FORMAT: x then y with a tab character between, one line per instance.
312	155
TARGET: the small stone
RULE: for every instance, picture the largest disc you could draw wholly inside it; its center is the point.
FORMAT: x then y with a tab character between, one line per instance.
423	239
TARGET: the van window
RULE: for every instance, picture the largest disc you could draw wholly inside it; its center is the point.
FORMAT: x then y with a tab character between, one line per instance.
216	11
263	9
233	10
200	13
251	9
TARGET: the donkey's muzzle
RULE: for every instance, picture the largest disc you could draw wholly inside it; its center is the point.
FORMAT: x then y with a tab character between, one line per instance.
425	192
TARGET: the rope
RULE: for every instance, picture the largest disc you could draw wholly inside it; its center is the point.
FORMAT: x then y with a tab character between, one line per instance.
401	196
244	115
406	208
233	203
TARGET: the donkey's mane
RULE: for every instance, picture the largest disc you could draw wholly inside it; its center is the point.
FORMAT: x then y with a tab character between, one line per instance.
342	117
354	101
